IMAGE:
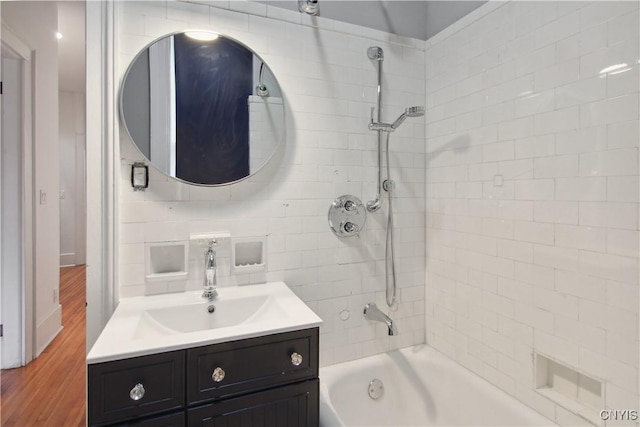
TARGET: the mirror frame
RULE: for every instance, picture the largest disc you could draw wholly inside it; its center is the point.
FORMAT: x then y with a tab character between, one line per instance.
123	122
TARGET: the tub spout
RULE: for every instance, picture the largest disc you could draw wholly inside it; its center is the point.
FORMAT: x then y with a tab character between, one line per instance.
372	312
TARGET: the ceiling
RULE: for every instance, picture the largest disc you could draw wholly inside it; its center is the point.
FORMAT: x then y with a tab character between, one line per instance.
71	47
420	19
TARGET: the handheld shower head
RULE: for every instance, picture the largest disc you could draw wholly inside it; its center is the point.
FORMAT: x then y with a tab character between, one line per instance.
415	111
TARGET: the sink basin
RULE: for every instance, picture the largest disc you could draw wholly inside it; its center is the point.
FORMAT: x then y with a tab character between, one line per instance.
196	317
150	324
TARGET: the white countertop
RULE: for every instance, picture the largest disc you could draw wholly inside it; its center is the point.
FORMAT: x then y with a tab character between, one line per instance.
137	328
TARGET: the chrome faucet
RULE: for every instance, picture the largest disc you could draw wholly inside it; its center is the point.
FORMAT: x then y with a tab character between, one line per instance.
372	312
210	279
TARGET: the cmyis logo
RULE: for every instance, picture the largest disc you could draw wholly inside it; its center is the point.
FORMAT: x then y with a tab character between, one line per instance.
619	415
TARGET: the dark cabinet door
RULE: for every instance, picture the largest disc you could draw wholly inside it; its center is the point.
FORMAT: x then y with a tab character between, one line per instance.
294	405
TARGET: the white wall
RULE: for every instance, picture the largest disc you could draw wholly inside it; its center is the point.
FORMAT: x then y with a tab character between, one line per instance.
35	23
532	195
72	200
329	87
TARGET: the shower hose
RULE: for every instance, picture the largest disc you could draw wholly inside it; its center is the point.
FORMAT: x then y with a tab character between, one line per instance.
389	250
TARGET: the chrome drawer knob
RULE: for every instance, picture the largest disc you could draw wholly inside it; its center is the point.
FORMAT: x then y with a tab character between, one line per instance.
137	392
218	374
296	359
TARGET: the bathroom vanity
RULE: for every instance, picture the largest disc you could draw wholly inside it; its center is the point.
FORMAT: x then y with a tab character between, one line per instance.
261	370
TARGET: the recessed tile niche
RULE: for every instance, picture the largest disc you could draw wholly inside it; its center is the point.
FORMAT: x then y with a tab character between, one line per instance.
248	254
575	391
166	261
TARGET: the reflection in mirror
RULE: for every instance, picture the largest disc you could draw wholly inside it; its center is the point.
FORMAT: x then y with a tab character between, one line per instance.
202	108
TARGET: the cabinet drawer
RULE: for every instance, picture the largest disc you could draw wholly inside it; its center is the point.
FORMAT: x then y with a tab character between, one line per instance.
293	405
110	384
251	364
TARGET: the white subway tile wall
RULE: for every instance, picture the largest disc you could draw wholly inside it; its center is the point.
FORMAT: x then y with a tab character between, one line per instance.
329	86
538	102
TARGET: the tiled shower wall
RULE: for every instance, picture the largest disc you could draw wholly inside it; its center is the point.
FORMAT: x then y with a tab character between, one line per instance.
329	86
532	195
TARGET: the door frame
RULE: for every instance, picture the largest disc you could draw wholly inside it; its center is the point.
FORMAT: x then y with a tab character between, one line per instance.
27	170
102	156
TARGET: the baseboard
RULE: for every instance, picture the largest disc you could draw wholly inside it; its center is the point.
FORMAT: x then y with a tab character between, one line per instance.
67	260
48	329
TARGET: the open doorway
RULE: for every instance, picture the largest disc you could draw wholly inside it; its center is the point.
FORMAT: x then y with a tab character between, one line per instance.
50	389
71	101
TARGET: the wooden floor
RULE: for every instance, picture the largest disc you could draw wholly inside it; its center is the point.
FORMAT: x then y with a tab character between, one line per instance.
51	390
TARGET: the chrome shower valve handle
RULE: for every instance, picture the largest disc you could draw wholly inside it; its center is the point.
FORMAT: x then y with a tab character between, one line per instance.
350	227
350	206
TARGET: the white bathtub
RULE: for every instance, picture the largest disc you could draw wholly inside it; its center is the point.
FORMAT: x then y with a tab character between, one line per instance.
422	387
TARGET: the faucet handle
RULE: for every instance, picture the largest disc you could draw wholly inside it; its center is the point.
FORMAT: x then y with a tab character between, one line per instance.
373	109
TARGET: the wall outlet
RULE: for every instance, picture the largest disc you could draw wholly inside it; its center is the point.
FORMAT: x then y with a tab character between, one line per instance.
43	197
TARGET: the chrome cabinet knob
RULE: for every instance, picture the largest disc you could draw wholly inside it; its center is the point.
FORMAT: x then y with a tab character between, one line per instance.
296	359
218	374
137	392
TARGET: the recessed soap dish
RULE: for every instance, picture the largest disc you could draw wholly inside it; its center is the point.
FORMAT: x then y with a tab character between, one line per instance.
166	261
248	254
576	391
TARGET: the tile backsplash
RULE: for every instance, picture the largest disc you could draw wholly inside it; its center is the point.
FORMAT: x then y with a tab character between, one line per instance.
329	86
532	196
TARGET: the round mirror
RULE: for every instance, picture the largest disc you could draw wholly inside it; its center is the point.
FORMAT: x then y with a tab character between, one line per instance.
202	108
